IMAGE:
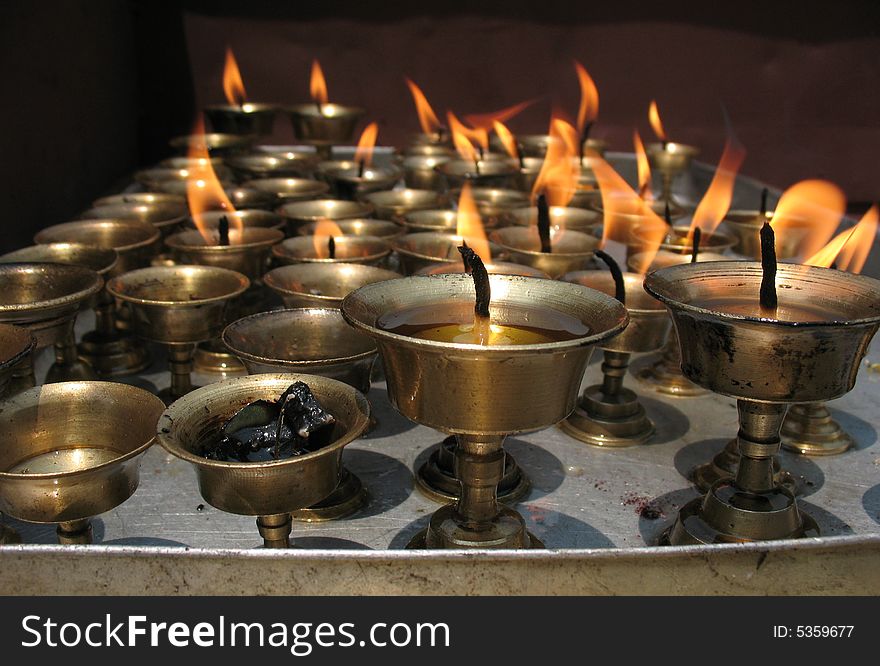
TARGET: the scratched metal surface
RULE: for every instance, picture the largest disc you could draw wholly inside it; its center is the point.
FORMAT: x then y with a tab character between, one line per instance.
581	497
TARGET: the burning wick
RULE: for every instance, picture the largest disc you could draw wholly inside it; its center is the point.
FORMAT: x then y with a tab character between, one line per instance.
331	247
477	166
667	215
520	156
320	108
223	230
619	286
768	268
544	224
585	135
764	194
698	235
360	168
480	151
441	131
482	329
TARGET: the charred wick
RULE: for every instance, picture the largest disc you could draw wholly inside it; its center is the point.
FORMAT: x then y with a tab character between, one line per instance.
768	268
764	193
474	265
520	156
667	214
360	168
331	247
223	230
619	285
585	135
544	224
695	252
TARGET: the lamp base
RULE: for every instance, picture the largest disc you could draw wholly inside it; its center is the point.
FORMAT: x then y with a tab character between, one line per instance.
611	425
810	431
8	536
115	355
666	379
77	371
349	496
75	532
725	464
436	478
508	531
213	357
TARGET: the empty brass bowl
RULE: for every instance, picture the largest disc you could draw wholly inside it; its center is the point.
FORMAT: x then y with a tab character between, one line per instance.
562	217
248	119
72	450
140	198
135	241
274	164
99	259
303	212
322	285
247	252
431	220
15	344
360	227
428	248
334	123
349	249
41	292
247	218
572	250
217	144
155	178
393	204
164	216
289	189
313	341
261	488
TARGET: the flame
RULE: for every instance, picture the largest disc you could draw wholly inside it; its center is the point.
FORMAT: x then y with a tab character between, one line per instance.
850	248
485	121
623	210
559	173
317	84
507	138
716	202
427	117
364	152
233	86
812	208
654	118
461	138
204	192
469	226
644	168
588	110
324	230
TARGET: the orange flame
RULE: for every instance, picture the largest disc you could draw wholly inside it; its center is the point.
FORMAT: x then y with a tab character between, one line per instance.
507	138
324	230
427	117
317	84
233	86
654	118
469	226
485	121
850	248
366	143
559	173
588	110
461	138
644	168
716	202
812	208
624	209
204	192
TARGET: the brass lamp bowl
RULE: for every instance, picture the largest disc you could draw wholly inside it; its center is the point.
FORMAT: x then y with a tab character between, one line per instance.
268	490
493	268
217	144
435	143
609	414
427	248
303	212
72	451
360	227
487	172
493	203
135	241
99	259
571	250
394	204
333	123
156	178
353	183
808	350
248	198
677	239
289	189
535	145
322	285
166	217
140	198
745	225
247	252
275	164
349	249
479	392
247	218
16	343
671	157
419	171
444	220
248	119
561	217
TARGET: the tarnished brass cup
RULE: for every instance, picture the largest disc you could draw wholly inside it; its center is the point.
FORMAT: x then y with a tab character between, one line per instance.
429	248
268	490
303	212
480	393
807	351
608	414
247	119
331	124
289	189
670	159
311	341
322	285
420	171
16	343
247	252
178	306
275	164
561	217
72	451
349	249
360	227
352	183
396	204
571	250
45	299
166	217
487	172
247	218
217	144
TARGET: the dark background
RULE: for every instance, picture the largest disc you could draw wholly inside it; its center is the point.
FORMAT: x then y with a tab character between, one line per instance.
94	88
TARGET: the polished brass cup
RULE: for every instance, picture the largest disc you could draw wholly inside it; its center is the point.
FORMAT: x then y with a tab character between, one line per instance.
561	217
303	212
332	124
72	451
808	352
247	119
248	250
428	248
311	341
269	490
322	285
397	204
274	164
217	144
571	250
45	298
420	171
480	394
178	306
289	189
609	414
166	217
487	172
349	249
250	218
360	227
670	159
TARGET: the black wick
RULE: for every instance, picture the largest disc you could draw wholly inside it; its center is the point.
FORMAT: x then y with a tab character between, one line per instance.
544	224
698	236
619	285
768	267
331	247
223	230
474	266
